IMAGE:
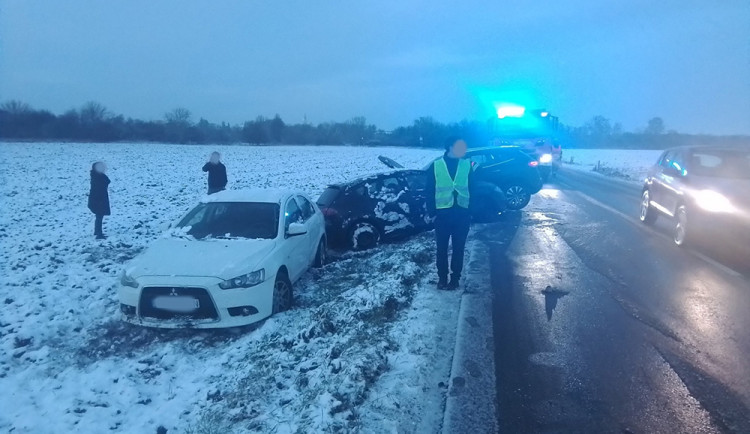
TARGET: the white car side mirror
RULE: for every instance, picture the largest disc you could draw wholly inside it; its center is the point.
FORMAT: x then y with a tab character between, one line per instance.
296	229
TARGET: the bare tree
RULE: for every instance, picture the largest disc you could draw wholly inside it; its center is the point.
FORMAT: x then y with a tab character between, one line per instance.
92	112
180	116
15	107
655	126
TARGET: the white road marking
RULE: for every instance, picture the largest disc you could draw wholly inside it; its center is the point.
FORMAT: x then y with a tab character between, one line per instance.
652	231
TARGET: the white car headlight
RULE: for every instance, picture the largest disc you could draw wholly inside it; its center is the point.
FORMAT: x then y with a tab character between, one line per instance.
128	280
712	201
245	281
545	158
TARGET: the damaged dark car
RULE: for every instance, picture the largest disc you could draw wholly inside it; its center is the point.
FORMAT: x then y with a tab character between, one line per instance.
365	211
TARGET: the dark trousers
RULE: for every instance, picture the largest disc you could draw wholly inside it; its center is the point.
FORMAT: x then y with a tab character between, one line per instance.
212	190
98	224
451	225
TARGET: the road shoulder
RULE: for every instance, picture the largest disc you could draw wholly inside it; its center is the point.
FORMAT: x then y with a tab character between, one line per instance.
471	401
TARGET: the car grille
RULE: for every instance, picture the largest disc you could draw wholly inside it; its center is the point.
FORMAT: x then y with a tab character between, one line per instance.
205	311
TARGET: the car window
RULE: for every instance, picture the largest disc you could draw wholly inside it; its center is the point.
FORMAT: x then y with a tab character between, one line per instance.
292	214
329	195
307	208
479	159
360	190
666	161
384	186
721	164
678	162
390	184
194	217
661	159
504	157
673	160
415	181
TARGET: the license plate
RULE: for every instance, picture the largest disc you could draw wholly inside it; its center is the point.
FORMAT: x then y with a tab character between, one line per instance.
176	303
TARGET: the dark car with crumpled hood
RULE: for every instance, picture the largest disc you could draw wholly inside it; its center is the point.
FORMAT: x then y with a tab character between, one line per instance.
391	205
364	211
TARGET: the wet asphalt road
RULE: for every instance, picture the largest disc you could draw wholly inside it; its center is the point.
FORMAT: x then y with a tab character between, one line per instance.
602	325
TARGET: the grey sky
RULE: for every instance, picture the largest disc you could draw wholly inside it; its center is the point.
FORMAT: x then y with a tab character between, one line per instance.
390	61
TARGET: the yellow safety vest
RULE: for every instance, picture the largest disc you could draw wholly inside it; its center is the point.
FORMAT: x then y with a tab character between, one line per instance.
445	186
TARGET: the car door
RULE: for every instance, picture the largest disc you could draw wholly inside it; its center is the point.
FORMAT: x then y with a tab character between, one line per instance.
295	246
311	218
415	197
389	210
661	189
673	182
500	168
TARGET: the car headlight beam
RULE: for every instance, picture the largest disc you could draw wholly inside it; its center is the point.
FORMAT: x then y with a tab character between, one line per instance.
545	158
713	201
245	280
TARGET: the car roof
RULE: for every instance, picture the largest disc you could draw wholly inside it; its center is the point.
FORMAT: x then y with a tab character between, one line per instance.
257	195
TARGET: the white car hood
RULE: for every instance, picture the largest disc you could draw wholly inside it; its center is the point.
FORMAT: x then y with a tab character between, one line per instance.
223	259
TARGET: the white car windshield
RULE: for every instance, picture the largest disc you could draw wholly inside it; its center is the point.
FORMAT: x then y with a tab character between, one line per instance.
232	220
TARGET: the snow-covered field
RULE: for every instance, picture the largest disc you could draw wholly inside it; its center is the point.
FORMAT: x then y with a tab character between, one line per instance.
366	348
627	164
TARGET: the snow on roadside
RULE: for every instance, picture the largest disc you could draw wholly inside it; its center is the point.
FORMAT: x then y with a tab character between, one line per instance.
68	363
627	164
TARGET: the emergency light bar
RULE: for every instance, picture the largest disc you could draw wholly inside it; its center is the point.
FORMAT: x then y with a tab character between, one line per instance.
510	112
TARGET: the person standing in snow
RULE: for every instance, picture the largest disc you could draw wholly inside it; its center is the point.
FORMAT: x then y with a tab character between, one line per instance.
449	180
99	196
217	173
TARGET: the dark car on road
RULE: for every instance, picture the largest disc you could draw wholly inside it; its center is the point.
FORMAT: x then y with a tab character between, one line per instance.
702	190
511	169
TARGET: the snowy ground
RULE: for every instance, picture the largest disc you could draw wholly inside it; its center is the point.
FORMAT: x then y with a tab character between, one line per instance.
626	164
366	348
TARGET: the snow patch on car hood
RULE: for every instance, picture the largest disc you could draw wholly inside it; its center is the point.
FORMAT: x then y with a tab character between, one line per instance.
223	259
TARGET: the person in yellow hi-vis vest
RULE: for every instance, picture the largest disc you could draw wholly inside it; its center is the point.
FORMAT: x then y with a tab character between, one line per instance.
449	181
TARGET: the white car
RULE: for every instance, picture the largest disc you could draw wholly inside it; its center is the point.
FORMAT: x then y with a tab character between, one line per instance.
229	261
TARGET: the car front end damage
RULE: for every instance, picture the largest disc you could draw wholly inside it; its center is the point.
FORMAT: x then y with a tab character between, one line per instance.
193	302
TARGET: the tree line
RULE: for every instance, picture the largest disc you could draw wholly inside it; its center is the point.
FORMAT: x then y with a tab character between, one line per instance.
93	122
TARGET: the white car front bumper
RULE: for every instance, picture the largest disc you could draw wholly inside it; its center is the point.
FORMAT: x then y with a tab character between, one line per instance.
193	302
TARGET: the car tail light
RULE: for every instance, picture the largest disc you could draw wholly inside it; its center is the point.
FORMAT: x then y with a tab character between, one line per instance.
329	212
533	163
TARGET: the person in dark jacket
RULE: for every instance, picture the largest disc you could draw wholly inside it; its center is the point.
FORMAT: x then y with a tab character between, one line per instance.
99	196
217	174
449	182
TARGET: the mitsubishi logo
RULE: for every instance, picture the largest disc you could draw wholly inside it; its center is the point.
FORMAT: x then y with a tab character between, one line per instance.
174	292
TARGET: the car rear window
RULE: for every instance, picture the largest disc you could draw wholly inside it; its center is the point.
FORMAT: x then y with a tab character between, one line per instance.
329	195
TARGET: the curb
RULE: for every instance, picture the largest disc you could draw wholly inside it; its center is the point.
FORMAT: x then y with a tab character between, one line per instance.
471	402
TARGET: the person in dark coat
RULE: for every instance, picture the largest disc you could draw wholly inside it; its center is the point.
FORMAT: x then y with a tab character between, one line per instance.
217	174
450	206
99	196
